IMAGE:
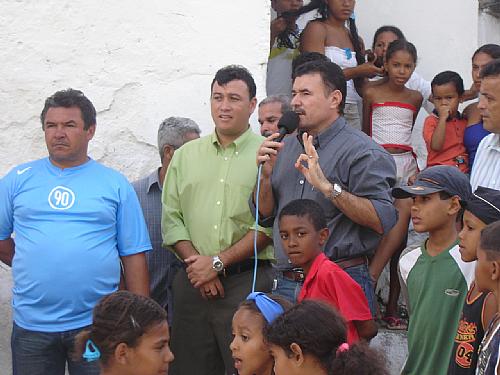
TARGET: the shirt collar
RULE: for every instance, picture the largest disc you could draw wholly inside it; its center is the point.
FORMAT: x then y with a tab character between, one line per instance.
496	142
153	179
238	142
318	261
323	138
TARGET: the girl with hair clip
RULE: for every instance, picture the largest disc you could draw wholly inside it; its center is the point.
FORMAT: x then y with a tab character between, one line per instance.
310	339
389	113
342	45
129	336
250	350
475	132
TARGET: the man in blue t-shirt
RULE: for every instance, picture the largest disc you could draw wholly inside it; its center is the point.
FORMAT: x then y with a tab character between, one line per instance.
66	221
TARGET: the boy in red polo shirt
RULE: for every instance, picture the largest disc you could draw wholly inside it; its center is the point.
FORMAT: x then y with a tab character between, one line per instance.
444	129
303	232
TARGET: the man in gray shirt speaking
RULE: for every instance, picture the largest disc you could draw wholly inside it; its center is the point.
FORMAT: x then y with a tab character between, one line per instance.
341	168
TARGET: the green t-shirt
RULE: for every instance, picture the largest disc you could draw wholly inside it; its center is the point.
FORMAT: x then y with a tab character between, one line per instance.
437	286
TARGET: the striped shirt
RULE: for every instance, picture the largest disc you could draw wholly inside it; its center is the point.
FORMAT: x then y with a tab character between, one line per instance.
486	168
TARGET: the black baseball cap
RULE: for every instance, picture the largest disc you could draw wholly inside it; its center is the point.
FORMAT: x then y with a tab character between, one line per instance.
435	179
484	204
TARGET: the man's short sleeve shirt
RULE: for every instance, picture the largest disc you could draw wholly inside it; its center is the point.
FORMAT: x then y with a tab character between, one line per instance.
70	227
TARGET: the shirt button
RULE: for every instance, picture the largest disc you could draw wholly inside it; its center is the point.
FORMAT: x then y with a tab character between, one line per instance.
218	203
301	182
225	158
221	180
215	227
236	152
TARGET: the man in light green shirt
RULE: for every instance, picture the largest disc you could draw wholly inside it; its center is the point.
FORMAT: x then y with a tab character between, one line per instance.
206	218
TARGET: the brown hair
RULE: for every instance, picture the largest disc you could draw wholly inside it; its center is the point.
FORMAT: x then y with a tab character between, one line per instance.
120	317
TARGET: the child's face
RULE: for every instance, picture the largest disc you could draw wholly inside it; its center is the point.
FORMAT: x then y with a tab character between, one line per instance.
484	272
446	96
469	236
283	364
301	241
383	41
152	354
400	67
250	352
430	212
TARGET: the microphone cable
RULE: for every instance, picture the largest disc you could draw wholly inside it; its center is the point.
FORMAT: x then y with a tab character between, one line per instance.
256	231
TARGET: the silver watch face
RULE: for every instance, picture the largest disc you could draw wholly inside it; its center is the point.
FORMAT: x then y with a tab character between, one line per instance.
337	189
218	265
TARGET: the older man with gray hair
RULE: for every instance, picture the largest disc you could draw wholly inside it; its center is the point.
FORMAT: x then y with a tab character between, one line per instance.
172	134
270	111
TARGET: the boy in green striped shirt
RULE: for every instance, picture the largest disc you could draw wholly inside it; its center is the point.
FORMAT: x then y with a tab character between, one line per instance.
434	274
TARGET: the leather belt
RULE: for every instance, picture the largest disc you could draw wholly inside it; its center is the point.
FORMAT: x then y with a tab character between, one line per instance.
296	275
352	262
244	266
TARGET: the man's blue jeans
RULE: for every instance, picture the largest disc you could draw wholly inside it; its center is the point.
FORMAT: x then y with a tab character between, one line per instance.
361	275
46	353
286	288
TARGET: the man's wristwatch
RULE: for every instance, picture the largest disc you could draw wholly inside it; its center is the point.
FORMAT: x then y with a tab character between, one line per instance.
335	192
217	264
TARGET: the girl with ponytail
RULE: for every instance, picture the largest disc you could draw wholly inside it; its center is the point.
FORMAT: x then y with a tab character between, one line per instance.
330	36
129	335
310	339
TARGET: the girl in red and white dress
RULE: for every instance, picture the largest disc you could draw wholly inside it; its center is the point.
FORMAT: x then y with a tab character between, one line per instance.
389	113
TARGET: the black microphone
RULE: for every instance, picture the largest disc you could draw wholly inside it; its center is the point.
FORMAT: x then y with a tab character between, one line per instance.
287	124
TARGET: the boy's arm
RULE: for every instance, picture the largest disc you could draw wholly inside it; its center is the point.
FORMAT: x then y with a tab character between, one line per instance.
439	135
489	309
367	109
367	329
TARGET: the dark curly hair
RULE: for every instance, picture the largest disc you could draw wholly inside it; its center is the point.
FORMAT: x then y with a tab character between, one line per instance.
119	317
319	330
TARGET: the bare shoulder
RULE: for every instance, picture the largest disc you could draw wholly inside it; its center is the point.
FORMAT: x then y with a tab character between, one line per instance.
315	28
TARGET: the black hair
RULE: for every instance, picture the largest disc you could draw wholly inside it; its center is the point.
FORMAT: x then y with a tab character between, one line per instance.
388	29
331	74
490	240
71	98
232	73
322	7
306	57
121	317
401	45
252	306
492	50
492	69
320	330
306	207
449	77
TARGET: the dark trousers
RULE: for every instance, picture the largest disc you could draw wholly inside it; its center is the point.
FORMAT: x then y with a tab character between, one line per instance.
46	353
201	329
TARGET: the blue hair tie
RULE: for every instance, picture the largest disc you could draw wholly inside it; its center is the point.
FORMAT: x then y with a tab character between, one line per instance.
269	308
91	353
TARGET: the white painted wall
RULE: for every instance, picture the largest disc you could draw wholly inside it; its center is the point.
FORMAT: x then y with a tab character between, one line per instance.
489	29
139	62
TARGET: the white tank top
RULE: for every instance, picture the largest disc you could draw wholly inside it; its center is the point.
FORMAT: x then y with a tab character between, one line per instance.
341	57
392	123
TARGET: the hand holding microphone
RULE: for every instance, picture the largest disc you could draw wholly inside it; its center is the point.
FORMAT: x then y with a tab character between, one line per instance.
270	147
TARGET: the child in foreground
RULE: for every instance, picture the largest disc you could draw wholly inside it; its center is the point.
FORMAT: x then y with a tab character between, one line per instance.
444	129
481	209
434	275
303	232
310	339
488	279
129	336
249	349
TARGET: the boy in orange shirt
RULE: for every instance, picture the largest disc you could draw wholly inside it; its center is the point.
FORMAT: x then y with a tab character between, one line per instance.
444	129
